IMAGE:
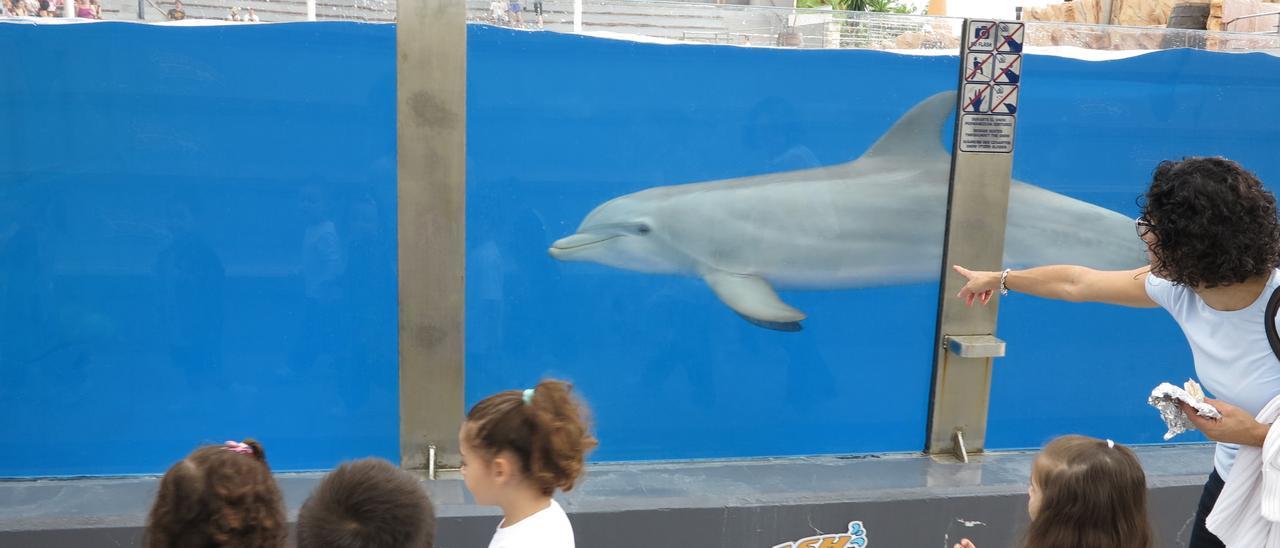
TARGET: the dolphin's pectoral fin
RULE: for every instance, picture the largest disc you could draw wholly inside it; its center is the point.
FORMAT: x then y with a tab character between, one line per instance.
790	327
754	299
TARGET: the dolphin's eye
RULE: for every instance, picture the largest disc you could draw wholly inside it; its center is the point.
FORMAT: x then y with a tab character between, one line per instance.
643	228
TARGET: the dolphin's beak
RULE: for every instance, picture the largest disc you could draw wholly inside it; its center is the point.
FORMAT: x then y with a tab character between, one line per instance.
571	244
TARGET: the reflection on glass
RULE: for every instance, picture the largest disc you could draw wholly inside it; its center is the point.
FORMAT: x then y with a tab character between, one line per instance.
215	260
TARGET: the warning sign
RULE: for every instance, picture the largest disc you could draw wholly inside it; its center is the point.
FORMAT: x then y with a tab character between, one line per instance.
1004	100
1010	36
977	98
979	67
1008	68
982	35
991	75
986	133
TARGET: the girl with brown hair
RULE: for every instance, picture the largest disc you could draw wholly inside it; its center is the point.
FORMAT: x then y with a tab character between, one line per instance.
1086	493
517	448
220	496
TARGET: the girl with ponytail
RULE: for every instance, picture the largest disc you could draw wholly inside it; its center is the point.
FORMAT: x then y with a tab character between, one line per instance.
518	447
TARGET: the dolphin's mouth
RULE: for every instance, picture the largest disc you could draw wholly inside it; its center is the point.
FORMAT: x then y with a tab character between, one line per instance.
576	242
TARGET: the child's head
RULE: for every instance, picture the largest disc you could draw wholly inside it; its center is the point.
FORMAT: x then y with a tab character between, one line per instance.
220	495
534	439
368	503
1086	492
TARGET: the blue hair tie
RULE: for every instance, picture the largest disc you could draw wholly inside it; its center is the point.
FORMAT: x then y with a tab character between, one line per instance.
528	396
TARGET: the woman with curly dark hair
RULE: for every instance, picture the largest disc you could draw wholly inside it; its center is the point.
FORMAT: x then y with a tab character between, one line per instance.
220	496
1213	241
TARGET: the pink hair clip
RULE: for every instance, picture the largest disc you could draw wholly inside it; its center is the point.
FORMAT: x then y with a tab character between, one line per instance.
238	447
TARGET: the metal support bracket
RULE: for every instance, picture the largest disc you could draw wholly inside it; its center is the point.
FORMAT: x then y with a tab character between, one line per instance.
958	449
975	346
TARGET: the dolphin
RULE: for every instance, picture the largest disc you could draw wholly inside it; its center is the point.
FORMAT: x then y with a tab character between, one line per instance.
876	221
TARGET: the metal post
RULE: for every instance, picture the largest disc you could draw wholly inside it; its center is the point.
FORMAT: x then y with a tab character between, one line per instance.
68	8
431	76
577	15
311	10
142	15
981	171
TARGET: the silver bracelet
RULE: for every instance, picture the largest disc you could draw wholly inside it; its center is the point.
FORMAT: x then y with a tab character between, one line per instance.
1004	289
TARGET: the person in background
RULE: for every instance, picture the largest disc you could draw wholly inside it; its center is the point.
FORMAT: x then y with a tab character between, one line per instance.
176	13
497	12
517	19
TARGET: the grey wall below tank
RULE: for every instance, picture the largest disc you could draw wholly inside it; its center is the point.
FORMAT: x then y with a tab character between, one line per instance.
917	522
901	500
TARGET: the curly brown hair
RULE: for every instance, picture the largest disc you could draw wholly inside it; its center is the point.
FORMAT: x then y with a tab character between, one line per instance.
218	498
1213	222
1093	494
550	434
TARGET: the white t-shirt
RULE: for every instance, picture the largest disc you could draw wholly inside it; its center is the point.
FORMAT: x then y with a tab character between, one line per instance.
549	528
1233	359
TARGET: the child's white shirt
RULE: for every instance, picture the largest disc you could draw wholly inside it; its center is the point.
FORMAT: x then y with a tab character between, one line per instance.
548	528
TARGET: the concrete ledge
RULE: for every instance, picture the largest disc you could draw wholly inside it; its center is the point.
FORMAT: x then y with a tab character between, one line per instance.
902	500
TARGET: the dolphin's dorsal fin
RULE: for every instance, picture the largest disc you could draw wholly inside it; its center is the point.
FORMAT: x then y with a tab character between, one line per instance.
917	135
